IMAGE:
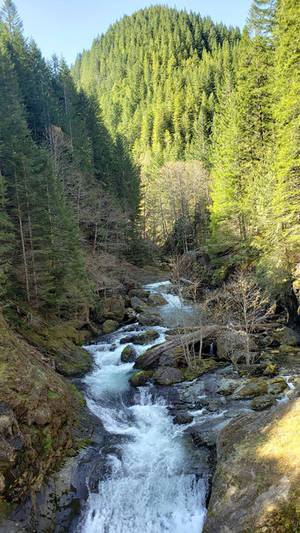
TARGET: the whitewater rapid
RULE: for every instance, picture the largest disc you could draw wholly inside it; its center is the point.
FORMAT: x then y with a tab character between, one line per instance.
151	487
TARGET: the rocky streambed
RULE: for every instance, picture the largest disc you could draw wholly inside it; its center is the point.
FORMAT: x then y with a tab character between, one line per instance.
166	441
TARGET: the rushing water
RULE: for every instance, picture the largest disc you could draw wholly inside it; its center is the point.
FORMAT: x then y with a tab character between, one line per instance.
151	487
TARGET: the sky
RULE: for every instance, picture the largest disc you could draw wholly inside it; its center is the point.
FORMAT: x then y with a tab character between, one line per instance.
66	27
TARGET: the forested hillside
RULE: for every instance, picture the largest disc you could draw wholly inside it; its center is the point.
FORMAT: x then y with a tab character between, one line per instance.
224	109
67	189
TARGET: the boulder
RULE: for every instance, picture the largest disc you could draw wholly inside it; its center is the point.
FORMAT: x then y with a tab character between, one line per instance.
137	304
130	314
250	389
182	417
277	385
232	345
262	402
150	318
156	299
139	293
113	308
287	336
128	355
146	337
270	370
139	379
109	326
256	483
167	375
227	386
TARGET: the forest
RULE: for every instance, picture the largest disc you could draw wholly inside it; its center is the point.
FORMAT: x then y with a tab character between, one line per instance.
161	169
182	131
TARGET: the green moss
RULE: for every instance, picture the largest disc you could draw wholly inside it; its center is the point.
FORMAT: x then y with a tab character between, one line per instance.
6	508
52	395
47	441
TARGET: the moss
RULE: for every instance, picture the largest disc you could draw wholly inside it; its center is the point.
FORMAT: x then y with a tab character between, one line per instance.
47	441
6	508
52	395
203	366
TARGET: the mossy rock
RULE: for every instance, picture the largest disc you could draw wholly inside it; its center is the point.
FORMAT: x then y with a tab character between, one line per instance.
288	348
203	367
109	326
146	337
254	387
287	336
139	379
270	370
277	385
128	354
167	375
262	402
113	309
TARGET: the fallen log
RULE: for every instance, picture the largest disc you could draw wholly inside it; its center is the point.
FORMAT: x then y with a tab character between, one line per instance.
147	359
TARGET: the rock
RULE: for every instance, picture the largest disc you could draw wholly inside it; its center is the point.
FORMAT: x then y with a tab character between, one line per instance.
232	345
287	336
2	483
167	375
109	326
227	386
277	385
262	402
156	299
150	318
182	417
139	293
42	415
131	314
128	355
202	437
202	367
139	379
253	387
130	284
256	483
289	349
113	308
146	337
137	304
270	370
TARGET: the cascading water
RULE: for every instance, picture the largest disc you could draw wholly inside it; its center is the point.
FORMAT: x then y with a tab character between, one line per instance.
151	487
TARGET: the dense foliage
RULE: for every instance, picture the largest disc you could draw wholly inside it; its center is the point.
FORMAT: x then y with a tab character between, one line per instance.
66	187
156	74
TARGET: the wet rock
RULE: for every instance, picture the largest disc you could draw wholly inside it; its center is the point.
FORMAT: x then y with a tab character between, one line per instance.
137	304
167	375
287	336
130	314
262	402
182	417
113	308
146	337
128	355
139	379
202	436
109	326
227	386
150	318
156	299
253	387
277	385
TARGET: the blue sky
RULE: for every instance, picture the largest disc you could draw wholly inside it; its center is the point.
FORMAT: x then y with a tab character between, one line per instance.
66	27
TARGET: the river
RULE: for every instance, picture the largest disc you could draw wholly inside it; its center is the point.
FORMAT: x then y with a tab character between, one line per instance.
150	485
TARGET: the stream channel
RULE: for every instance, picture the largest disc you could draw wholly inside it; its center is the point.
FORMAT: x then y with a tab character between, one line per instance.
150	476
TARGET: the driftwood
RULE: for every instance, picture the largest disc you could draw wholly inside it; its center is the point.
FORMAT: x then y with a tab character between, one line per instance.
147	359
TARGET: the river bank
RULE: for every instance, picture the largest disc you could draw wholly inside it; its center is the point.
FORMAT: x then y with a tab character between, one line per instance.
133	431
